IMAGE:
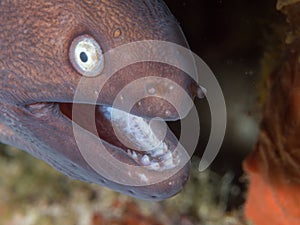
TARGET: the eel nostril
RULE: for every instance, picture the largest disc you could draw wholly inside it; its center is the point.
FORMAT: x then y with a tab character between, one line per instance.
197	90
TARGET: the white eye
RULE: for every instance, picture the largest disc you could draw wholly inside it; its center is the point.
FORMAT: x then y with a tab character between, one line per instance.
86	56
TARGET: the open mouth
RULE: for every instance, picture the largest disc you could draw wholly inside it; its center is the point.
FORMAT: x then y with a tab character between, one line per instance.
149	143
153	164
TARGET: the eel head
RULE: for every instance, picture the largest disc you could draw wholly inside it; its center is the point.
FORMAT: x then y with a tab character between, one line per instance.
59	85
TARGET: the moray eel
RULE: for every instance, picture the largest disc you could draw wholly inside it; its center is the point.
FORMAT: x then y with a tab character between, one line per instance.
40	69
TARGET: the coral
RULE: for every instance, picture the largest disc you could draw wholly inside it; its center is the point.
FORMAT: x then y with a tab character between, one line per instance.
32	193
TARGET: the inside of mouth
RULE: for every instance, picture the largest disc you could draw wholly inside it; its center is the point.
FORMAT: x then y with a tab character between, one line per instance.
131	134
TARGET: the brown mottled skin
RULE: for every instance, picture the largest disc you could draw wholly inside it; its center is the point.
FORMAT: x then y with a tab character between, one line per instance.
34	68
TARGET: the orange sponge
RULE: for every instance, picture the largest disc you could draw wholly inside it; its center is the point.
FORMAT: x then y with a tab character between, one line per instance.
269	203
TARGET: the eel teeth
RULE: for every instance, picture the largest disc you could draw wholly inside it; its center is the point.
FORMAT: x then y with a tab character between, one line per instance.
166	161
152	152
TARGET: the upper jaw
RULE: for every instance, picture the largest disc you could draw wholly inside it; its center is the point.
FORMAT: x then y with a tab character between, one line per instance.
144	89
150	90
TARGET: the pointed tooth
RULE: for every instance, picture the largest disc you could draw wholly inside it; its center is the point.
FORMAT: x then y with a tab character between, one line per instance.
154	166
134	155
145	160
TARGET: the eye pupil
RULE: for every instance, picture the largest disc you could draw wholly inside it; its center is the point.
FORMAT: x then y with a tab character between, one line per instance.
83	57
